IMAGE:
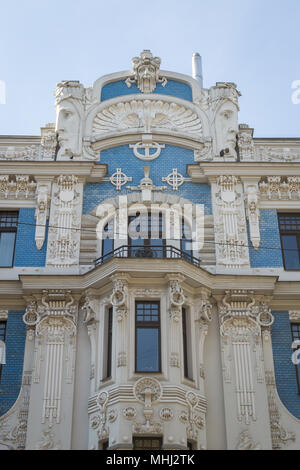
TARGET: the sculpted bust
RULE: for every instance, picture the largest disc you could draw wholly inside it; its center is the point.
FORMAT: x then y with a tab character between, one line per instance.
69	104
227	128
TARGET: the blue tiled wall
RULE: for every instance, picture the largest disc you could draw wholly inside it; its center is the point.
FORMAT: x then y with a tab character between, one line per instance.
11	377
269	255
285	371
123	157
26	252
172	88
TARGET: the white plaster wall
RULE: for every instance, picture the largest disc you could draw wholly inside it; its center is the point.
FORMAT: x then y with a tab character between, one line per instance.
215	417
82	389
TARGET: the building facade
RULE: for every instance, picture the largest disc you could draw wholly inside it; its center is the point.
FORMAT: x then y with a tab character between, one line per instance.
149	272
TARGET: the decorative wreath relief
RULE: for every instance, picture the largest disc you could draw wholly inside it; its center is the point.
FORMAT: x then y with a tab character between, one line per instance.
183	417
265	318
129	413
31	316
95	422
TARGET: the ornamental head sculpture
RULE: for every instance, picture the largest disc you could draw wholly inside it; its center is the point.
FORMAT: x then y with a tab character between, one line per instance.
146	72
69	98
226	120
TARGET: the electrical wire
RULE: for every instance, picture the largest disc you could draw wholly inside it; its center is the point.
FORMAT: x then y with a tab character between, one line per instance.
126	234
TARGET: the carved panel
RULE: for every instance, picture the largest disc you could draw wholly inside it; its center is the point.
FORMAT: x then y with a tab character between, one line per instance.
65	219
230	223
147	116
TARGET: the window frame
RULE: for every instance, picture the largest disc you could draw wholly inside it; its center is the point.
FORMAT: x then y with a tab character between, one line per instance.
9	229
147	325
284	232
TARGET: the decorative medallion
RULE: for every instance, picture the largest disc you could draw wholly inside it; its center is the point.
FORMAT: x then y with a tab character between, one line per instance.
147	147
147	385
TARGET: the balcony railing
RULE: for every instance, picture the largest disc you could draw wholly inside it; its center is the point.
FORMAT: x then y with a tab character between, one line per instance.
154	252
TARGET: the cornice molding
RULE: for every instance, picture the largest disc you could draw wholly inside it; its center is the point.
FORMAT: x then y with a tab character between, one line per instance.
88	170
205	172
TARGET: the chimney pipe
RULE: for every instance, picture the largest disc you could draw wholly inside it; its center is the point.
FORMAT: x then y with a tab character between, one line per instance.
197	68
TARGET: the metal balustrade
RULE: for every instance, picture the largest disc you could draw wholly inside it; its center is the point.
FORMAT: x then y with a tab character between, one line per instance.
154	252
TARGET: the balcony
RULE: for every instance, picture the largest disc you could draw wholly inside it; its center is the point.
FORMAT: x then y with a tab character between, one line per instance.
143	252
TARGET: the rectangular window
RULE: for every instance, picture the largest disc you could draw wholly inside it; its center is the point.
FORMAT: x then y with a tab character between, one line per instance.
147	337
147	443
108	343
289	226
296	337
2	337
186	337
8	232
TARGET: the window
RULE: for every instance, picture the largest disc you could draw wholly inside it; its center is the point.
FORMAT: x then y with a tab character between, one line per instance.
296	337
147	443
2	339
108	343
147	337
289	226
186	337
8	231
142	227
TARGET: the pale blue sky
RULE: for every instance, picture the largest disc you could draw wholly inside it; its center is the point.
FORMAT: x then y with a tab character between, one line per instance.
254	43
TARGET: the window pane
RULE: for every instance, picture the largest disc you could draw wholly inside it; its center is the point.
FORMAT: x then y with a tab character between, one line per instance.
147	350
7	245
8	219
290	222
147	311
107	246
2	330
290	251
145	443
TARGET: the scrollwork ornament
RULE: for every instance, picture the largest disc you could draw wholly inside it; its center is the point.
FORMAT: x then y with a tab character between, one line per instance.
265	318
31	316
